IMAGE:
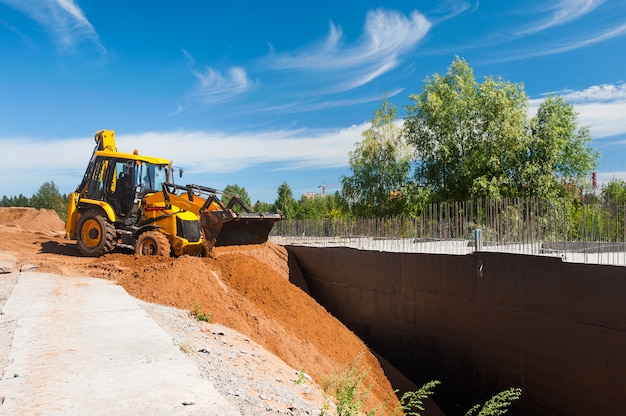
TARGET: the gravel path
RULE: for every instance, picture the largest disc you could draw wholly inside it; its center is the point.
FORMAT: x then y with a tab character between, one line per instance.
245	373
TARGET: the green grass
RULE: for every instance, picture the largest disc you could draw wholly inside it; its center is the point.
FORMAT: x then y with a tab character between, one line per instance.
205	317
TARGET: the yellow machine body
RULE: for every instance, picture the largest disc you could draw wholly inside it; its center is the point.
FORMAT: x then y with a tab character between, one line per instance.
129	201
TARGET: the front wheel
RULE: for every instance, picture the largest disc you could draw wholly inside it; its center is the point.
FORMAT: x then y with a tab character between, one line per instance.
95	234
152	243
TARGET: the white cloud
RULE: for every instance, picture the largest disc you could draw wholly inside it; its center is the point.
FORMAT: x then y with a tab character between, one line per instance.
217	152
601	107
214	87
605	92
63	18
605	119
387	35
199	152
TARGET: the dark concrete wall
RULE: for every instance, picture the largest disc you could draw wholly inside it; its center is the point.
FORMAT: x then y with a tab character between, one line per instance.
485	322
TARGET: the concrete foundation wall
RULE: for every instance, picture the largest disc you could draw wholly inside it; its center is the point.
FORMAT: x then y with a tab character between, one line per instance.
484	322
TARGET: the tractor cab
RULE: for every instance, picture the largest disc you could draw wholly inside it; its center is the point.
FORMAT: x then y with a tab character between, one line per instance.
122	180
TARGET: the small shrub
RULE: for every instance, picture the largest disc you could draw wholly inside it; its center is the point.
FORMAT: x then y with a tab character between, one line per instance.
412	401
345	387
206	317
301	377
497	405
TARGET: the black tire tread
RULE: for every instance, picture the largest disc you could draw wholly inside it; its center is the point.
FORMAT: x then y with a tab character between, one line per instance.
162	243
108	231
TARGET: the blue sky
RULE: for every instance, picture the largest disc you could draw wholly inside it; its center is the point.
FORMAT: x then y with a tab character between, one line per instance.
257	93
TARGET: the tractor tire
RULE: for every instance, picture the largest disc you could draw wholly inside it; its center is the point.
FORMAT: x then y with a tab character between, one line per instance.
153	243
95	234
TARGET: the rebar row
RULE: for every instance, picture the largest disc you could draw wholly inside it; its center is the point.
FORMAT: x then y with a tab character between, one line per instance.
588	231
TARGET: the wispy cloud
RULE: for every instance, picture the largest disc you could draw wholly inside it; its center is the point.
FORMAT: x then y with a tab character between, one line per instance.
387	36
214	87
563	12
557	47
300	107
62	18
452	8
554	29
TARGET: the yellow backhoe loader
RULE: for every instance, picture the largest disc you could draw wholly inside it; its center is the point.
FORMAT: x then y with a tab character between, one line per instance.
131	201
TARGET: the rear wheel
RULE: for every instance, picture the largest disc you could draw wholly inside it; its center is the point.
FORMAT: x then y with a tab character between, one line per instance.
153	243
95	234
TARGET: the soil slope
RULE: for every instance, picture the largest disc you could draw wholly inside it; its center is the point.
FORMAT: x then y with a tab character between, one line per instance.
245	288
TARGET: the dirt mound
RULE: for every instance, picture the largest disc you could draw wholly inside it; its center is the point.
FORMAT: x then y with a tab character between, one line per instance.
246	288
31	219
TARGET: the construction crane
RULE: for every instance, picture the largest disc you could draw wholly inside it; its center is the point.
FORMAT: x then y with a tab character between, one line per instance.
324	186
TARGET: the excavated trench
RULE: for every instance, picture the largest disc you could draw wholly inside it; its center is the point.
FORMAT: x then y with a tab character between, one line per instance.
484	322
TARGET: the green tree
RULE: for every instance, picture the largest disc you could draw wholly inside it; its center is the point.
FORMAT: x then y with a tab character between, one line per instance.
475	139
310	208
286	202
230	191
48	197
333	207
319	208
380	166
467	135
614	191
263	207
558	151
21	201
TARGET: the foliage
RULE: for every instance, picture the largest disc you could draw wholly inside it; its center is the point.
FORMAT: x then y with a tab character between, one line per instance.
263	207
497	405
15	201
558	149
319	208
614	191
474	140
416	198
200	316
301	377
240	191
286	202
380	166
346	388
412	401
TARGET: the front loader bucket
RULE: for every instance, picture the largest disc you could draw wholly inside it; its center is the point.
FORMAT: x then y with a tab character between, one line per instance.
222	226
226	228
247	228
211	223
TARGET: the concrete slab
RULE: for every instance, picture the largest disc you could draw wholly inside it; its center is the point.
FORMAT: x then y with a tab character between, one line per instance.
83	346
